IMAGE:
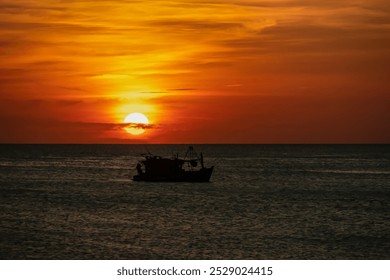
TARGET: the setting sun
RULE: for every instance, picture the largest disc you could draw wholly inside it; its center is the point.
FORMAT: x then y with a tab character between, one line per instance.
137	123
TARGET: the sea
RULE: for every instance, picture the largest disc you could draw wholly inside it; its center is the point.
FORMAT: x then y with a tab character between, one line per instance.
278	202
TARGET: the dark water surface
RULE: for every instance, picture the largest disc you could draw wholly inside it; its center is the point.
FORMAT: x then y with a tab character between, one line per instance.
264	202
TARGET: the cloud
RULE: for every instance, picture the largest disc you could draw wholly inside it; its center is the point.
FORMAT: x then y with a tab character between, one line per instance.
186	24
134	125
182	89
323	4
289	3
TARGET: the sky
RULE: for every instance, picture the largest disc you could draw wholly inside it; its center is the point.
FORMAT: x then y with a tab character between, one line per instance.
224	71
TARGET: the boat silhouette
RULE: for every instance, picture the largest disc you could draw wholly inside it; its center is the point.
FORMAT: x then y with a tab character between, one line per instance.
159	169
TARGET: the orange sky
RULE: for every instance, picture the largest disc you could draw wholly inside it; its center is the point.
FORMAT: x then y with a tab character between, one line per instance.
225	71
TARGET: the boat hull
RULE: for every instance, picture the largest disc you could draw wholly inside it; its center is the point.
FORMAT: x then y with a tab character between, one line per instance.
202	175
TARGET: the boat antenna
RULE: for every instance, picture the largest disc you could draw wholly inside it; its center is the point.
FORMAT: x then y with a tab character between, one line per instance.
191	154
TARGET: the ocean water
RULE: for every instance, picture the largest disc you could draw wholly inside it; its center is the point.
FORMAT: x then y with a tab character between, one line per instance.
263	202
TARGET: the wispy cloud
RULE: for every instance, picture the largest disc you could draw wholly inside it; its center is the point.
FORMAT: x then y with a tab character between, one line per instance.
139	126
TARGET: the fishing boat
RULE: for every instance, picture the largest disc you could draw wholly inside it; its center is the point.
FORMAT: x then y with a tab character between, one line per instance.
159	169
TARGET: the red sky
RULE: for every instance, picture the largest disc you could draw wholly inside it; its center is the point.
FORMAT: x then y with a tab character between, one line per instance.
227	71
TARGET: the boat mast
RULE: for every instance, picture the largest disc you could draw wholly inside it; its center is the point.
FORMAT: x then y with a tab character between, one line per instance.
191	154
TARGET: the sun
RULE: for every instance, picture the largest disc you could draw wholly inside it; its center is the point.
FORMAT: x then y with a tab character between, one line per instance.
136	123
